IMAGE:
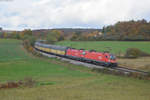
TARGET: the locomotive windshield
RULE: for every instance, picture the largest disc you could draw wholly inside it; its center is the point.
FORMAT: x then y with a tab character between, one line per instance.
112	57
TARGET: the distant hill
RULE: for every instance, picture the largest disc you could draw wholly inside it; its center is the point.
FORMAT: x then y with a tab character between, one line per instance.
71	30
66	31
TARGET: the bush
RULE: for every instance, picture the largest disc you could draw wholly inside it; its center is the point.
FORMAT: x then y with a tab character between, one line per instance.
149	73
135	52
29	82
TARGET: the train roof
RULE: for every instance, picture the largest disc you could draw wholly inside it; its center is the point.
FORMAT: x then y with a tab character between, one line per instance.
56	47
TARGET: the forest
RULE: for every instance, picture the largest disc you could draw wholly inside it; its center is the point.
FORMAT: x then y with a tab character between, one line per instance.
127	30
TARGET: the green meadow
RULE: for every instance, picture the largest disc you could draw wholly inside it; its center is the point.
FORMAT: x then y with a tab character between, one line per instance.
68	81
112	46
16	63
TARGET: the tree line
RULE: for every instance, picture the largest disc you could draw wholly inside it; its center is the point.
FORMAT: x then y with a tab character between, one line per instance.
121	31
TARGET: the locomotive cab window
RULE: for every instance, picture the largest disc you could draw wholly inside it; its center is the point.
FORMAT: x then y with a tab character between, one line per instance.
112	57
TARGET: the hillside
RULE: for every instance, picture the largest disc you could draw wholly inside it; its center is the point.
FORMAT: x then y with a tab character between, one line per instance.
64	81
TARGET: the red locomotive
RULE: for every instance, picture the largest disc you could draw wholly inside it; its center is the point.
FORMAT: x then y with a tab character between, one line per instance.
104	59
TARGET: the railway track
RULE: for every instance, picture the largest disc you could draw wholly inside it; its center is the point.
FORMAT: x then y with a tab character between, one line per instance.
119	68
131	70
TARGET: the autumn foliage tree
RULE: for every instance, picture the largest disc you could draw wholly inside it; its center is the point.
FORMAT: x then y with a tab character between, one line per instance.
86	36
54	36
128	30
25	34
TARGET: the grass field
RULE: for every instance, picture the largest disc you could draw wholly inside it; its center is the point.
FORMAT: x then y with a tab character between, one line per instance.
115	46
11	48
69	82
16	64
142	63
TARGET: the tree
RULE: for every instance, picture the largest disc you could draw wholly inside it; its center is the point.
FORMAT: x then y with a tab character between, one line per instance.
74	37
4	35
54	36
14	35
25	33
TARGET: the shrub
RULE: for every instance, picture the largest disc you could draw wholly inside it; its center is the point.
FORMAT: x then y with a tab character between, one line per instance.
28	42
10	84
149	74
135	52
29	82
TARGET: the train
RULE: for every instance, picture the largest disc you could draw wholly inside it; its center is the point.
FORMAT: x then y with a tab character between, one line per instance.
105	59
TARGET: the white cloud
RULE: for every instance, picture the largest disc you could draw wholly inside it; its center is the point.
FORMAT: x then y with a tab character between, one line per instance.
70	13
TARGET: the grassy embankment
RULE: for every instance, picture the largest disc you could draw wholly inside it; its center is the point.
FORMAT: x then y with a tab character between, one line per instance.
68	82
116	47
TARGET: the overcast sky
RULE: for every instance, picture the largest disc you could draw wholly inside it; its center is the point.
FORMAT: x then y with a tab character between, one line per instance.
38	14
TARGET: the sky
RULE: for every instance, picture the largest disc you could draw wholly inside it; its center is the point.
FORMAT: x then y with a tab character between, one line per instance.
46	14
